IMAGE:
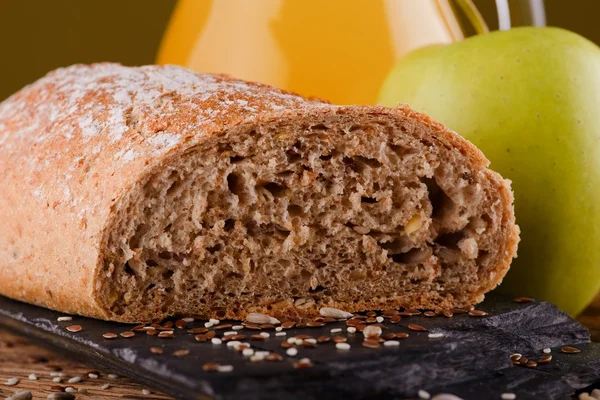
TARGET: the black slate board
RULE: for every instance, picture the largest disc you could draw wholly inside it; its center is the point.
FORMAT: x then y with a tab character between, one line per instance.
471	360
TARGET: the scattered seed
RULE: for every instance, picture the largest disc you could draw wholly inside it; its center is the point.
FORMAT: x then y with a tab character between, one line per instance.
477	313
303	363
531	364
288	324
140	328
166	334
181	324
257	337
74	328
63	319
225	368
75	379
309	344
286	345
429	314
323	339
342	346
508	396
59	374
314	324
335	313
33	377
418	328
237	327
351	329
146	392
339	339
423	395
187	320
435	335
515	357
372	344
523	299
372	331
257	357
257	318
445	396
57	379
93	375
248	352
395	319
267	326
109	335
210	367
547	351
280	333
391	343
200	338
151	332
401	335
265	334
23	395
216	341
70	390
211	334
447	313
223	326
199	330
208	324
12	381
360	327
181	352
156	350
545	359
105	386
569	350
292	352
274	357
459	310
128	334
82	390
409	312
113	376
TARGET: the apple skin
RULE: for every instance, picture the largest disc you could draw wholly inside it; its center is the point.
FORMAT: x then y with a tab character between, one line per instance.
529	98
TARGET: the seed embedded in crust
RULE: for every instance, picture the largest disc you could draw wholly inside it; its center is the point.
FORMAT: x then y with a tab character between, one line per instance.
210	367
181	352
127	334
477	313
569	350
109	335
335	313
418	328
74	328
545	359
523	299
258	318
156	350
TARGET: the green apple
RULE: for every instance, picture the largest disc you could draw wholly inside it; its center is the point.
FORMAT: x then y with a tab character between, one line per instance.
529	98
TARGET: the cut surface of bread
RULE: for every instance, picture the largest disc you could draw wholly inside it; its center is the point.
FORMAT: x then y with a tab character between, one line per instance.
216	198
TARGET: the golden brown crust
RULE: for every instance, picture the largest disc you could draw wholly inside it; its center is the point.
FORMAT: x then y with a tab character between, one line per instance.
75	142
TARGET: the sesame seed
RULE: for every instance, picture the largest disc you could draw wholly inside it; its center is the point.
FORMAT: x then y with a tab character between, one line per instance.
310	340
292	352
258	318
342	346
423	395
280	333
351	329
569	350
146	392
216	340
279	329
70	390
93	376
59	374
225	368
75	379
127	334
237	327
508	396
547	351
33	377
391	343
233	343
208	324
12	381
436	335
379	319
57	379
247	352
22	395
74	328
105	386
257	357
187	320
228	333
63	319
264	334
214	321
113	376
418	328
335	330
335	313
477	313
446	396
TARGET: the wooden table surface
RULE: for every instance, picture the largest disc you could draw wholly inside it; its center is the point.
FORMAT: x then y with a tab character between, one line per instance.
19	358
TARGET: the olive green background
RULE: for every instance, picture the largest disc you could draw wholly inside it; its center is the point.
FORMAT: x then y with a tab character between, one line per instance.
37	36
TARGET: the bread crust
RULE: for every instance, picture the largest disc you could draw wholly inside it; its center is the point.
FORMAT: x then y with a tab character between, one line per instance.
75	143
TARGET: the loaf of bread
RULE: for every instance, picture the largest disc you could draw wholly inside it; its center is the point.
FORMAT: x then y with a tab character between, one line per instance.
135	194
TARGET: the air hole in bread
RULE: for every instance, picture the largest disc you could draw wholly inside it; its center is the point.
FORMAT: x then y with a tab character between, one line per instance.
235	183
368	200
277	190
294	210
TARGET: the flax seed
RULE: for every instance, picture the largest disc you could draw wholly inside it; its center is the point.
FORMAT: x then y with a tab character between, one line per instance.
339	339
201	338
211	334
477	313
429	314
181	324
447	313
545	359
127	334
418	328
210	367
569	350
531	364
274	357
523	299
74	328
401	335
288	324
371	320
166	335
395	319
156	350
138	328
370	343
109	335
198	330
181	352
323	339
314	324
304	363
301	324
